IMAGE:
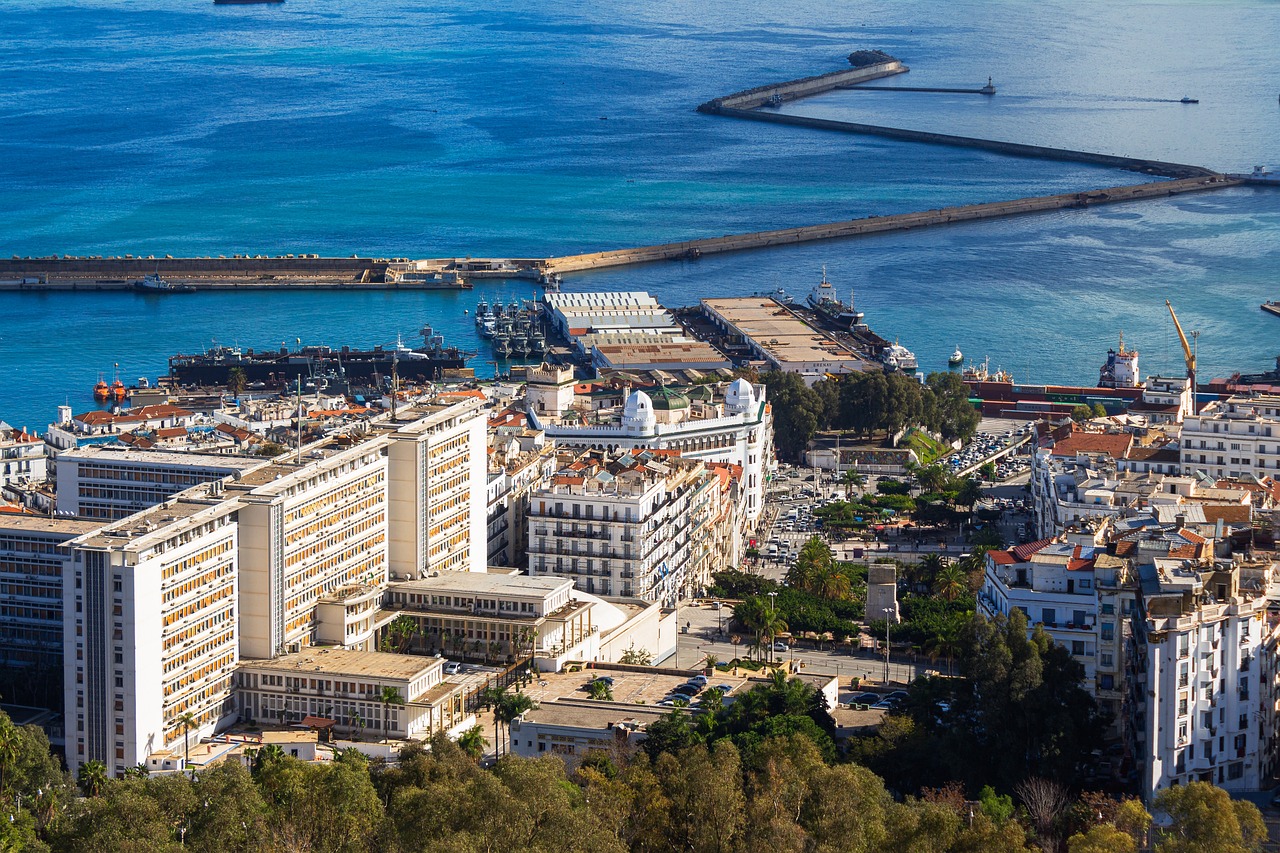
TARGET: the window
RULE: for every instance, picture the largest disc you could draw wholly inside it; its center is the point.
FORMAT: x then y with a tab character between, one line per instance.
1077	647
1049	616
1107	660
1235	770
1108	630
1108	681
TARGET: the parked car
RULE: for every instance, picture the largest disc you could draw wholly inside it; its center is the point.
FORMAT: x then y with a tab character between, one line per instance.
700	680
606	679
725	689
452	668
899	695
865	699
781	647
687	689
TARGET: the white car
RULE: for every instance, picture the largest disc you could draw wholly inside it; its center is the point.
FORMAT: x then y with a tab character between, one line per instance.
452	668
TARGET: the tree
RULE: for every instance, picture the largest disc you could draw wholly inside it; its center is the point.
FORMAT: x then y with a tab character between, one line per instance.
1103	838
1046	801
389	696
1081	413
236	381
987	470
600	690
933	478
636	657
356	724
1099	410
473	742
951	583
852	479
92	777
188	722
969	493
1204	819
797	411
399	634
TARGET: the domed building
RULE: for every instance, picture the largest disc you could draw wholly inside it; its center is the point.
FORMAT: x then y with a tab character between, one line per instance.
669	405
637	414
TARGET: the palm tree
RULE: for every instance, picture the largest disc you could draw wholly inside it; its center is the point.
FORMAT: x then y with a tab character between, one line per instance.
510	706
773	626
188	722
356	722
852	479
389	696
92	777
831	582
236	381
400	633
951	583
600	690
473	742
925	572
265	756
709	665
945	642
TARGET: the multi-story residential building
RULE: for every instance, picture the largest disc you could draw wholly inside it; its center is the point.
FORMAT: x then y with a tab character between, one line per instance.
436	492
33	554
308	528
23	456
1193	682
734	426
618	525
513	473
115	482
104	427
1236	437
150	629
1165	400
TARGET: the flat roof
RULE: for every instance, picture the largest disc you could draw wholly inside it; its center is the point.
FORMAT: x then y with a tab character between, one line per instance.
590	714
71	527
778	331
142	529
660	352
336	662
164	457
484	583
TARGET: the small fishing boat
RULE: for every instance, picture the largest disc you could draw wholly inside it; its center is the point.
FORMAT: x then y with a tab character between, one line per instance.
957	358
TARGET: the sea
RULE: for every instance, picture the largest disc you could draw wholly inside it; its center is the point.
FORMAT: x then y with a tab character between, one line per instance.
431	128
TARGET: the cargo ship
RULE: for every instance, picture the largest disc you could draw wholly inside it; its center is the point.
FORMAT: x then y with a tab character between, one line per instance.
278	368
823	299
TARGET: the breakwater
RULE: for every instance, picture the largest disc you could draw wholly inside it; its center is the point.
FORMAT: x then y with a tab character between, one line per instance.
880	224
806	87
1013	149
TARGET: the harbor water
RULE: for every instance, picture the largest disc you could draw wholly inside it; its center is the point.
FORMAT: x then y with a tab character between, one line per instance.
398	128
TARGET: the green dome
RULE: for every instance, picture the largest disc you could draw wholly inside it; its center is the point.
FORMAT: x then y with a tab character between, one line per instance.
666	399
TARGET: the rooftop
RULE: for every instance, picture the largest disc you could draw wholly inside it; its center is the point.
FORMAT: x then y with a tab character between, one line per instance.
778	331
333	661
26	522
478	583
227	461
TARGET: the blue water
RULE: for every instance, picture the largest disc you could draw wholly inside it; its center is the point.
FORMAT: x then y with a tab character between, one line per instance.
427	129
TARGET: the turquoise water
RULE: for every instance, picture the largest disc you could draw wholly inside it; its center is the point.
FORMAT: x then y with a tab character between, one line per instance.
425	129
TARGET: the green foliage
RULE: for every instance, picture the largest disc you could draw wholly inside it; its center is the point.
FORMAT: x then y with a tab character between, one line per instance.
1082	412
1204	819
736	584
797	412
893	487
636	657
926	449
600	690
997	807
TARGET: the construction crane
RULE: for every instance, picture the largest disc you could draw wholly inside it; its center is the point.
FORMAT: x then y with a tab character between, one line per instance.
1188	353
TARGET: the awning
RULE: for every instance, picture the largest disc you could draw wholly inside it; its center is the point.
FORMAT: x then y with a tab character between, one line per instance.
318	722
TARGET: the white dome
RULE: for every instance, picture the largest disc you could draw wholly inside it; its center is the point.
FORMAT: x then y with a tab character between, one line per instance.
740	395
637	413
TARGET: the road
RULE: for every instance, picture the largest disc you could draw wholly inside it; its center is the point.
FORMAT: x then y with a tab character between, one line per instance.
704	623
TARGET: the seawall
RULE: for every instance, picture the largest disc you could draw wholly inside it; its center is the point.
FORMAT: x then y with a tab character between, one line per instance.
879	224
805	87
1014	149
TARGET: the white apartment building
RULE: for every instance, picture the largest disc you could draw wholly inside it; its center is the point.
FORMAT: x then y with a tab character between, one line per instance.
150	629
307	529
622	529
1194	677
114	482
33	554
437	490
24	456
1236	437
736	428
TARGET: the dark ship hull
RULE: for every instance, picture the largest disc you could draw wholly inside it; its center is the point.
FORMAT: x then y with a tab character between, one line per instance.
284	367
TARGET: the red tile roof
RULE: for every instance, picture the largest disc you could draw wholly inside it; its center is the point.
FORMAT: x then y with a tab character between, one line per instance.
1023	552
1114	445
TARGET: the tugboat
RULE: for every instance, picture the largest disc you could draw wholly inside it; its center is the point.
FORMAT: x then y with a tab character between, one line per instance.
957	358
153	283
101	391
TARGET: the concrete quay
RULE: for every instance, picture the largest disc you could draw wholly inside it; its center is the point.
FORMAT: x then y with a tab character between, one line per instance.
690	249
805	87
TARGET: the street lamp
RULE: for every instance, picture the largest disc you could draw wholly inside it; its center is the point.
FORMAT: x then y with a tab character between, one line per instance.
888	611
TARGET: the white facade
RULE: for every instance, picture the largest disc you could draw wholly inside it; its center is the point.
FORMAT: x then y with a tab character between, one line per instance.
306	531
1195	679
437	492
742	435
113	483
1234	438
24	456
150	633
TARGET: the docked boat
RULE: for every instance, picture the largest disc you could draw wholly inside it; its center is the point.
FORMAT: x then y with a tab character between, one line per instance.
824	300
482	311
153	283
519	346
957	358
101	391
1271	308
502	345
283	366
537	343
897	357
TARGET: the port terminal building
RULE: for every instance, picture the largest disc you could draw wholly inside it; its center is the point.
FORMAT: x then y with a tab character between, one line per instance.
764	329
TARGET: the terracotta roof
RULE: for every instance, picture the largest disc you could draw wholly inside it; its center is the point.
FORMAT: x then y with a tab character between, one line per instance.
1234	514
1023	552
1114	445
1003	558
171	432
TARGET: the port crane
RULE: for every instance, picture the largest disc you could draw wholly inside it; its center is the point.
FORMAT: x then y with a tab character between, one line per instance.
1188	354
